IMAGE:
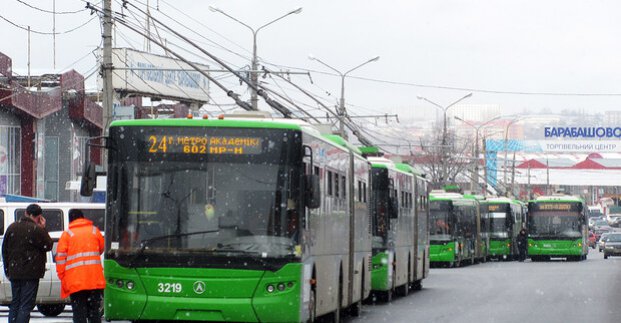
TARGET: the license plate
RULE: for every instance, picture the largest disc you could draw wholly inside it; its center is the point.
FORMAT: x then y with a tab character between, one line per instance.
547	245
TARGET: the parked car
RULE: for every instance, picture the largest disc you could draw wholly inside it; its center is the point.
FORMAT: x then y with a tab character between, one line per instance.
602	241
613	245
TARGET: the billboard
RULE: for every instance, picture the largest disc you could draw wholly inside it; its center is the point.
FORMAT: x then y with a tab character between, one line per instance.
554	146
156	75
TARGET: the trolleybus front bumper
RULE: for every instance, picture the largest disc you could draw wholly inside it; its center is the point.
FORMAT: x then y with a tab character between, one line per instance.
442	251
553	248
499	247
200	294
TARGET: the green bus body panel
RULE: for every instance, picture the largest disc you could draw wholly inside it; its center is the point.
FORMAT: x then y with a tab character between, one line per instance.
555	247
499	247
338	140
232	123
236	295
441	252
379	272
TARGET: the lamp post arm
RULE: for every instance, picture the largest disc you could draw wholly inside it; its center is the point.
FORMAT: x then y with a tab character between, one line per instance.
435	104
328	66
459	100
361	65
237	20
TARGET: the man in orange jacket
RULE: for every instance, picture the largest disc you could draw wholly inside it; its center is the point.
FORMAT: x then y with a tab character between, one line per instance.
78	265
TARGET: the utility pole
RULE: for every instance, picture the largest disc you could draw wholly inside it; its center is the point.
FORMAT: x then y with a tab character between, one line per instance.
106	68
106	73
484	166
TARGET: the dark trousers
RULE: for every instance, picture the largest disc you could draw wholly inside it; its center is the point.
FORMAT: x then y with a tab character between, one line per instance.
86	305
522	251
24	295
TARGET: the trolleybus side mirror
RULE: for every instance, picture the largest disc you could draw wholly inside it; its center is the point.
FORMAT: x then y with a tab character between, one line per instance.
313	191
89	179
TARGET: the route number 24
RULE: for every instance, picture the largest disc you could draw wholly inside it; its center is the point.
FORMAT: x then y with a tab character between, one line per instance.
169	287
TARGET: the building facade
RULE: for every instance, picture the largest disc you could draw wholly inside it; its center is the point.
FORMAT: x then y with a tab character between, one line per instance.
44	130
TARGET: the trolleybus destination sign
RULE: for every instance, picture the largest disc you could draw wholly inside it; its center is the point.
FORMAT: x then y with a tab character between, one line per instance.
162	144
561	206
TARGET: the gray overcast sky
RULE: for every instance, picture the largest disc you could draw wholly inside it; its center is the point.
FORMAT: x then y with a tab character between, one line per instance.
518	46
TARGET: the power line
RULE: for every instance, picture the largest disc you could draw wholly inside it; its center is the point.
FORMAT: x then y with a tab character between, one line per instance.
453	88
48	11
43	32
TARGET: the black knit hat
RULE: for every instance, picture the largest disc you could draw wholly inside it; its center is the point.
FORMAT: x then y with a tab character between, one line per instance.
34	210
75	214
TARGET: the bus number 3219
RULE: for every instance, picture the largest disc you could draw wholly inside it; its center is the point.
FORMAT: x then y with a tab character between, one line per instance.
169	287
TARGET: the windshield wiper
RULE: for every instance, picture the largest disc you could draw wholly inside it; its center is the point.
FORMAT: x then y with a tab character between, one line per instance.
144	243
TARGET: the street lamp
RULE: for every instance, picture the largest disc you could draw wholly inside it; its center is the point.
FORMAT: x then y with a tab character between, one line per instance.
444	109
341	111
509	124
475	173
253	72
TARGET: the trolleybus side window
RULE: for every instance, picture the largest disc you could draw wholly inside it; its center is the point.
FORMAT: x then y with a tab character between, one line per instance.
344	189
364	188
1	222
329	183
53	219
336	185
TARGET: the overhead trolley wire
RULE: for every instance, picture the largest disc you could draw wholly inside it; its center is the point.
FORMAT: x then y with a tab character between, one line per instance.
50	11
43	32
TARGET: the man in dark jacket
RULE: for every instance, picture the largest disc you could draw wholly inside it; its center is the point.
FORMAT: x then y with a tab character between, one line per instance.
23	253
522	242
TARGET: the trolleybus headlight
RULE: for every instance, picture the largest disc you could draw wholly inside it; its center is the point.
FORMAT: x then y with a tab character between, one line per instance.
119	283
270	288
281	286
111	281
290	284
130	285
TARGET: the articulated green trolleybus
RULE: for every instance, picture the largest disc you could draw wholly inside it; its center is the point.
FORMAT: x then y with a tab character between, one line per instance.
453	227
234	220
507	217
557	227
398	203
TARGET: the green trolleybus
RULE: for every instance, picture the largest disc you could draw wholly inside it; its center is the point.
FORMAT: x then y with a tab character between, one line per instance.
507	217
557	227
453	227
238	219
397	265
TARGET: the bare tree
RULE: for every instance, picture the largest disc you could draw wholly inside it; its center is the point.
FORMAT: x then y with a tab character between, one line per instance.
446	163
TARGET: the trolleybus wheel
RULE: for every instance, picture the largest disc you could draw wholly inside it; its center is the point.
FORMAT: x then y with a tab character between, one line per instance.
403	290
356	308
51	310
605	256
417	285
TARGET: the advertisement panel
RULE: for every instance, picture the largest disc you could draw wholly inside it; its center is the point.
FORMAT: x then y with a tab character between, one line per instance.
145	73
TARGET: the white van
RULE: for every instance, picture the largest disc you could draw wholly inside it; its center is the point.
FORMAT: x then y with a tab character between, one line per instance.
56	215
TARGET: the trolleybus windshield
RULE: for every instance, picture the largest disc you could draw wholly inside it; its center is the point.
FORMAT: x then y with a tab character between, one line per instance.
180	191
440	221
554	220
498	218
